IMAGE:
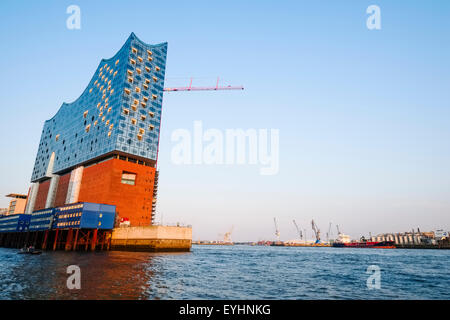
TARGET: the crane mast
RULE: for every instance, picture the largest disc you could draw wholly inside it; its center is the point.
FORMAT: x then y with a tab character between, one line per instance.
277	232
298	229
227	235
316	231
329	233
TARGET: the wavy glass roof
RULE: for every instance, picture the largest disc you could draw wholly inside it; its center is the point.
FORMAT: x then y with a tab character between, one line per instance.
120	110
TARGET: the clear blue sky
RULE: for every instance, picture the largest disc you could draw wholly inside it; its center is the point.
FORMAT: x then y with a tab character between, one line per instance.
364	116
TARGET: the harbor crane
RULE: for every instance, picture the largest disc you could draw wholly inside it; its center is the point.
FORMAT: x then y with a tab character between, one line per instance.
338	231
329	233
316	231
277	232
298	229
191	88
227	236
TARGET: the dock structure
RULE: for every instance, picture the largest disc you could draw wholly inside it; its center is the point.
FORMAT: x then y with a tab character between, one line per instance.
80	226
88	227
152	238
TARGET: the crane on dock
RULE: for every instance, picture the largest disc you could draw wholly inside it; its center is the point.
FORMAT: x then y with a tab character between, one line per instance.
277	232
298	230
329	233
227	236
316	231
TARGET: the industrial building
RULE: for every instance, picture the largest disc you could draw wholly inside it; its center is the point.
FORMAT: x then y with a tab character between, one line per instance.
412	238
83	224
103	147
17	204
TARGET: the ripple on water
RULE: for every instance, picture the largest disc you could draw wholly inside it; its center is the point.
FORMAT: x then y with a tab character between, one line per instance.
228	272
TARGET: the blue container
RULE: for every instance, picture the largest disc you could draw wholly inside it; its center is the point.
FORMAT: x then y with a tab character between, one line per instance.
85	215
15	223
42	220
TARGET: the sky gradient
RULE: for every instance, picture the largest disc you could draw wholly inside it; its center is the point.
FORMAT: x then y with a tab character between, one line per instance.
363	115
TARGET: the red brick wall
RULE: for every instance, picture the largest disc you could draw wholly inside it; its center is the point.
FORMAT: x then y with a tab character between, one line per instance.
41	197
101	183
61	193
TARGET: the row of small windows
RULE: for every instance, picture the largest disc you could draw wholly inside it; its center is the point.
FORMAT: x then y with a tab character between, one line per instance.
143	117
138	90
69	215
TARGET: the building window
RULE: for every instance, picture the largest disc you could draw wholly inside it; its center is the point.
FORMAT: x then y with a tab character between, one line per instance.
143	117
117	62
134	50
88	127
151	127
154	96
133	121
147	69
140	59
126	111
157	68
138	89
85	114
138	70
133	61
149	52
127	91
155	79
57	137
129	178
151	114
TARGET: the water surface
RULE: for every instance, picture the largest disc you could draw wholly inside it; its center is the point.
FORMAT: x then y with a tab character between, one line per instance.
228	272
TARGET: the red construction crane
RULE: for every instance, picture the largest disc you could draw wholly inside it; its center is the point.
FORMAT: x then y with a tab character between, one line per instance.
191	88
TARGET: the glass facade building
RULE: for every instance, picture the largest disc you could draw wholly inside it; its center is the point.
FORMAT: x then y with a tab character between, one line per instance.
120	110
103	147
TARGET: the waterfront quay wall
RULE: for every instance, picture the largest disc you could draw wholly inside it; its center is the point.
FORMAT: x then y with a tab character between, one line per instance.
152	238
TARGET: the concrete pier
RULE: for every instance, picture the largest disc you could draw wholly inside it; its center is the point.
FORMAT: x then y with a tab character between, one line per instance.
152	238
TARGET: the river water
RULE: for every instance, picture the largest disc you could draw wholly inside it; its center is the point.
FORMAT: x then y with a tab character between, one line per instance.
230	272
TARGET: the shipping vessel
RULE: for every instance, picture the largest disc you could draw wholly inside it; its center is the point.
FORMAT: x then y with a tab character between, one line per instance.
366	244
